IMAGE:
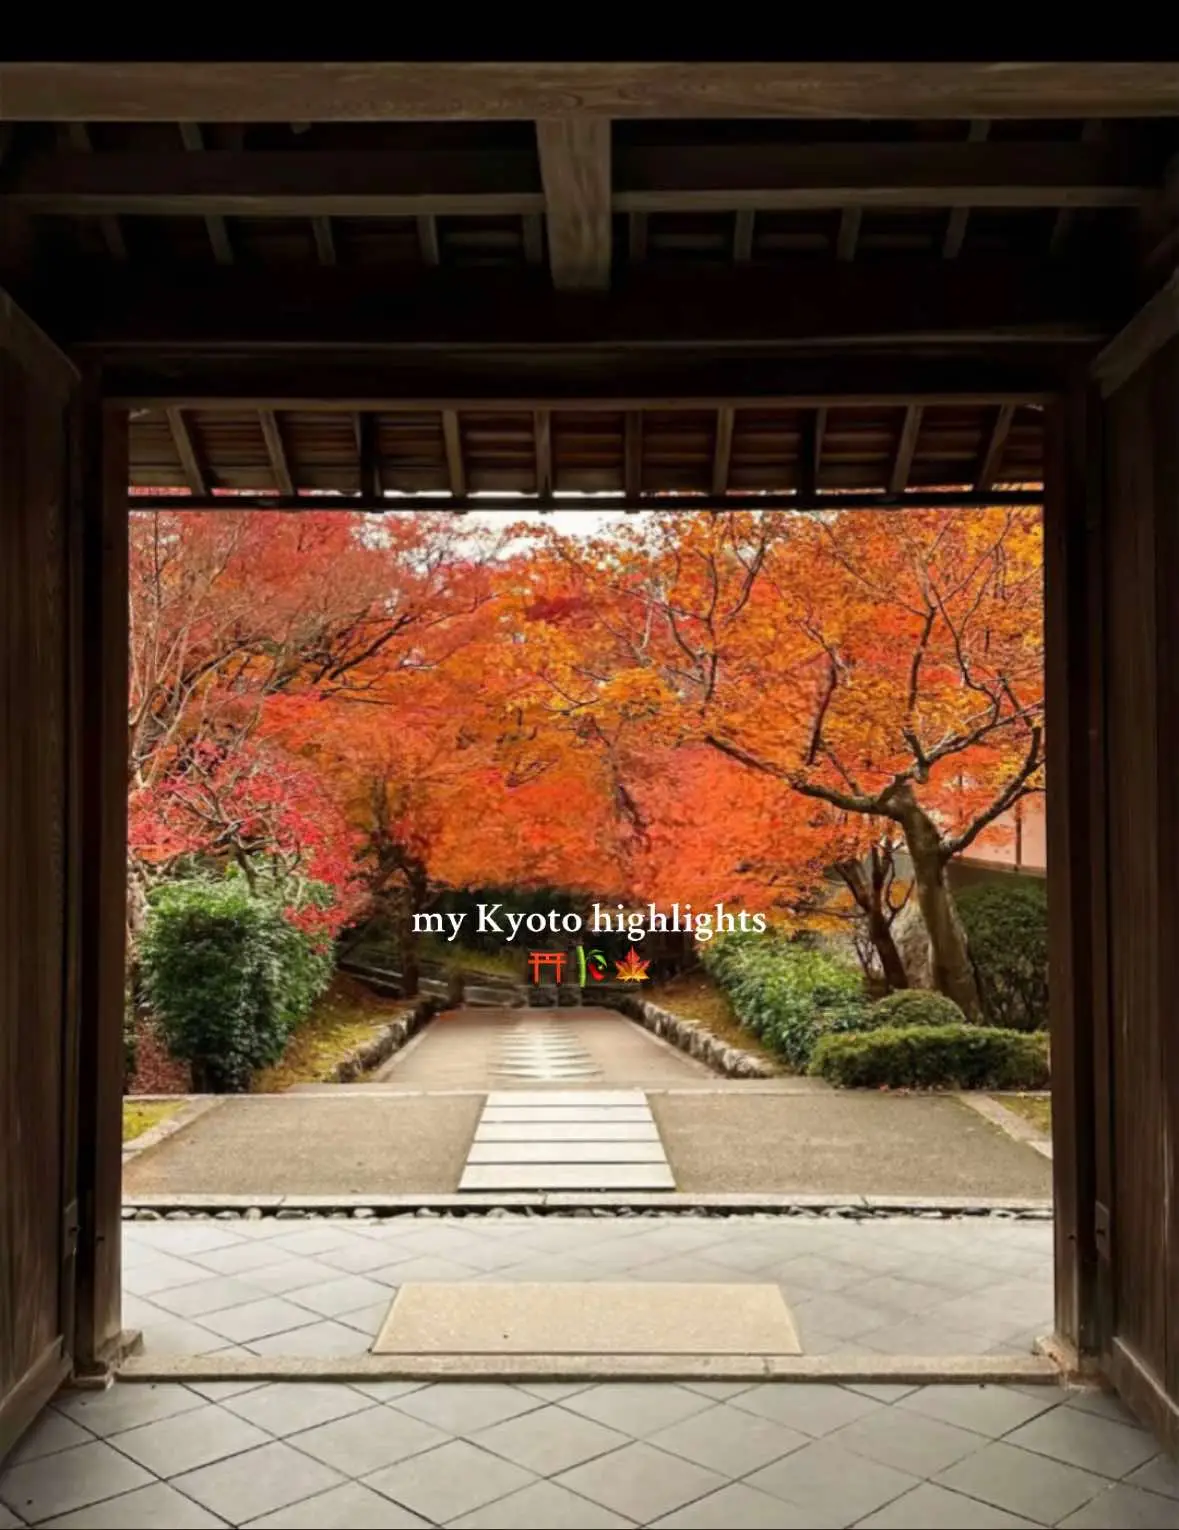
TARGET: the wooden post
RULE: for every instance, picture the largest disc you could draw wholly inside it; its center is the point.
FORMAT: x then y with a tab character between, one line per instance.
102	482
1076	853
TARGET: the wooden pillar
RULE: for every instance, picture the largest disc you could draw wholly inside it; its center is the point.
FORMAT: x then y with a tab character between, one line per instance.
101	488
1076	858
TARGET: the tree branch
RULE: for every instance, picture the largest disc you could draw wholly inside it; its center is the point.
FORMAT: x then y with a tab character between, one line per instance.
1006	799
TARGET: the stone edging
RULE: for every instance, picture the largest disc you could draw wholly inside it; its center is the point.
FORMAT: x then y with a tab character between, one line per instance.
391	1038
194	1105
696	1040
1010	1122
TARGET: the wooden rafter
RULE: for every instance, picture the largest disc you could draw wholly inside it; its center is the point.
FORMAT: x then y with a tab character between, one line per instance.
722	449
956	224
992	456
325	243
633	464
533	238
194	141
368	457
902	461
194	473
637	236
77	136
849	233
810	458
575	172
455	466
743	228
1066	218
543	428
428	239
276	451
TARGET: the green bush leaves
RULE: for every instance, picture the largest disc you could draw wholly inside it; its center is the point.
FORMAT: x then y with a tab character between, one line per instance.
934	1057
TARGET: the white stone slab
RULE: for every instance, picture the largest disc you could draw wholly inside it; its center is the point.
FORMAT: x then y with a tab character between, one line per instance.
567	1176
588	1318
504	1115
568	1131
567	1152
548	1097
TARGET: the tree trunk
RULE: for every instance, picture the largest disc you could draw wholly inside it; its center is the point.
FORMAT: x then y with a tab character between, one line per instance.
953	973
880	934
868	894
407	947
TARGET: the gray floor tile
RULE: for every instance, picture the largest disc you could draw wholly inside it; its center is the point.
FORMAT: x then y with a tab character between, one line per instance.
258	1320
1104	1404
1023	1483
553	1391
315	1238
453	1480
637	1408
213	1294
540	1506
323	1338
159	1273
360	1257
842	1313
195	1237
815	1408
288	1275
640	1482
739	1507
891	1437
180	1444
425	1267
718	1391
912	1297
465	1407
831	1484
345	1294
70	1479
242	1259
881	1391
8	1520
917	1336
368	1320
179	1336
550	1440
1123	1507
365	1442
386	1391
729	1441
1158	1476
286	1407
930	1507
221	1391
52	1432
989	1410
127	1405
1087	1440
351	1507
148	1508
247	1486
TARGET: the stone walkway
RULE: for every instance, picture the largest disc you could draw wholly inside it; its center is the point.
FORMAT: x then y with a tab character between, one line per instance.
567	1139
323	1286
486	1455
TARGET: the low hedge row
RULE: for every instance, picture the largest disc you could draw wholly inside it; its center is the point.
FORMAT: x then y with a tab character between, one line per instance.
934	1057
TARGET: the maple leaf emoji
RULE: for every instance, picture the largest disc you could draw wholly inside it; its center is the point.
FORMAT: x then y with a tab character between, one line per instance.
633	969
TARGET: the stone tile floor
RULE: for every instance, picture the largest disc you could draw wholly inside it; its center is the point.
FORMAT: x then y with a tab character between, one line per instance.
322	1286
305	1454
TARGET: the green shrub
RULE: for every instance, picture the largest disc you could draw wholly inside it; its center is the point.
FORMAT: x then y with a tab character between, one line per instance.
916	1006
1006	926
787	993
934	1057
228	977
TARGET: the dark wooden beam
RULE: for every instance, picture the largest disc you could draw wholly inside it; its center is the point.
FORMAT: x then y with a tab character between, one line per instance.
633	464
421	90
956	224
194	142
849	233
902	462
543	426
428	239
1154	325
743	236
455	467
637	236
533	238
325	244
992	456
194	473
722	449
276	450
368	458
77	135
575	171
898	302
1066	218
810	451
371	504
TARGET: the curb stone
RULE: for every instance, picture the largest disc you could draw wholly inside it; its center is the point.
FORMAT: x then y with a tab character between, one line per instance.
382	1046
695	1039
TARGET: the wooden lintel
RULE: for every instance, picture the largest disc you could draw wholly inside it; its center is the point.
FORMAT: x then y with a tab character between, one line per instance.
455	466
722	450
902	462
992	455
575	172
194	473
276	451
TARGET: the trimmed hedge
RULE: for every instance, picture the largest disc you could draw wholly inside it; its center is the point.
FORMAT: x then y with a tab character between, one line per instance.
934	1057
916	1006
228	977
787	993
1006	926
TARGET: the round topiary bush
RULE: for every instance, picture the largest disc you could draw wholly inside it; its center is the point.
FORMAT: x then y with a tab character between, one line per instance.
916	1006
934	1057
1006	926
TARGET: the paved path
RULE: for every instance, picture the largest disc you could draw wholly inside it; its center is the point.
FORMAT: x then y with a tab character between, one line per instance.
691	1455
323	1286
567	1139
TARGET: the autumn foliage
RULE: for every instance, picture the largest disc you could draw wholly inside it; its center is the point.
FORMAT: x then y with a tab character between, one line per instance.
704	706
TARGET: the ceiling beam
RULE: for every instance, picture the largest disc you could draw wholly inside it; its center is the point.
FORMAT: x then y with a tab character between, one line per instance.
455	467
743	237
574	185
723	448
194	473
633	451
956	223
543	427
575	172
424	90
368	457
810	451
428	239
849	233
992	456
325	243
902	462
1066	217
194	142
276	451
77	135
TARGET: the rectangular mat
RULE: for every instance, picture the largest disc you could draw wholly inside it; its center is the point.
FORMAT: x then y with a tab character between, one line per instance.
588	1318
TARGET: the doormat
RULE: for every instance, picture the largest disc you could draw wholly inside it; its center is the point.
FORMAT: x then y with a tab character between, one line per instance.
588	1318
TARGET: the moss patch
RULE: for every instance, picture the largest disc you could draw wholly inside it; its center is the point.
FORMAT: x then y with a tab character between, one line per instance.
347	1016
694	996
1033	1107
140	1116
